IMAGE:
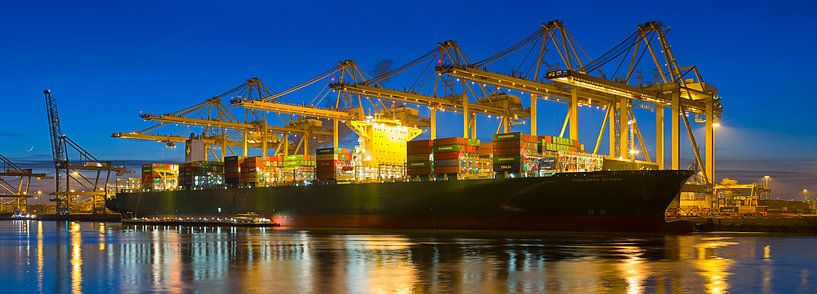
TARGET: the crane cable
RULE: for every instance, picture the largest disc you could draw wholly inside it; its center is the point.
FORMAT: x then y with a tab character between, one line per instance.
611	54
513	48
304	84
402	68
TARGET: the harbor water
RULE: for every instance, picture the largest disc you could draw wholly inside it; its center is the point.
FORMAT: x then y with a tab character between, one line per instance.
70	257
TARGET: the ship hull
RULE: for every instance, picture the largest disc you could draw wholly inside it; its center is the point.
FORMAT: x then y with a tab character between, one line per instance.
603	201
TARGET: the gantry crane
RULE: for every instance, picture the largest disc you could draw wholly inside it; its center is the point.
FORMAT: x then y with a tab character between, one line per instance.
527	76
443	95
15	183
575	84
334	113
682	89
220	125
77	172
602	82
377	127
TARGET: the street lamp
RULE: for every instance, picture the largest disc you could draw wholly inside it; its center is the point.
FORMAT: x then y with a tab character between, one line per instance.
768	189
805	194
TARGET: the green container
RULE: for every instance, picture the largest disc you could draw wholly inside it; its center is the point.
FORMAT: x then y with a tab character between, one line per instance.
321	151
473	142
507	159
448	148
426	163
294	157
507	136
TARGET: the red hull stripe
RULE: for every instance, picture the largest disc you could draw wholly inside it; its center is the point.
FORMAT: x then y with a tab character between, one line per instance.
538	223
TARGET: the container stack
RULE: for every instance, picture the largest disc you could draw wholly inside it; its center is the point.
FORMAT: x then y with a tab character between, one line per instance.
252	172
567	155
298	168
232	170
129	184
159	176
559	144
333	164
199	175
485	163
579	162
455	157
512	153
275	168
419	158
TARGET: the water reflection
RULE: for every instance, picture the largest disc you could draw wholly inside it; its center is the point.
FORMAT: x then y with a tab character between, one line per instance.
76	258
65	257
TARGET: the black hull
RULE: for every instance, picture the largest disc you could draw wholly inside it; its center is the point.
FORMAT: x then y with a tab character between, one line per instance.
609	201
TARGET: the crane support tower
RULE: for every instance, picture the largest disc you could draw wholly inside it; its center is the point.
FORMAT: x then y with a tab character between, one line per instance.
15	183
79	178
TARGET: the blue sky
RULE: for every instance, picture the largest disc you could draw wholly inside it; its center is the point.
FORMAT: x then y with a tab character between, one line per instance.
108	60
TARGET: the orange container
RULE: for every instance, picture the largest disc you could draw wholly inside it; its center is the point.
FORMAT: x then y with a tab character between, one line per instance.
447	170
450	141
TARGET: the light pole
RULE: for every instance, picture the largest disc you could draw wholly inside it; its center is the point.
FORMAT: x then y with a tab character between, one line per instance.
805	194
768	189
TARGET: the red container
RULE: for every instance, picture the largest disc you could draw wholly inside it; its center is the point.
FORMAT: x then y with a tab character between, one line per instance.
331	163
486	149
448	155
254	160
508	144
419	171
419	150
418	157
508	151
420	143
447	170
450	141
325	176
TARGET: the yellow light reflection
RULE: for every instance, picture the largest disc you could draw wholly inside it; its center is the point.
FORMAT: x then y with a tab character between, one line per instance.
76	258
101	236
767	252
712	268
633	270
40	259
384	263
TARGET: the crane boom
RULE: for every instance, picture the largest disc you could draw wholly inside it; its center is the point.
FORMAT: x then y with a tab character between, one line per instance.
57	145
296	109
453	102
225	124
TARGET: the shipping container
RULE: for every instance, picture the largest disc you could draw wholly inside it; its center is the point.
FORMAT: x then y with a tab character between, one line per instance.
415	164
448	148
449	155
511	136
419	157
419	171
447	170
450	141
420	143
419	150
446	162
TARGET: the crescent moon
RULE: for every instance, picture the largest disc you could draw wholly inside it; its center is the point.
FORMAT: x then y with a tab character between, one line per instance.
30	148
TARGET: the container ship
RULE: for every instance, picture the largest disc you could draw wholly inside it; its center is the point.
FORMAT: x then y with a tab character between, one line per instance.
516	182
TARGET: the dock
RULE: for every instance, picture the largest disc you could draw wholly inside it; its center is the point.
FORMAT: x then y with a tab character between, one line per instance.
792	223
